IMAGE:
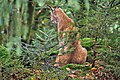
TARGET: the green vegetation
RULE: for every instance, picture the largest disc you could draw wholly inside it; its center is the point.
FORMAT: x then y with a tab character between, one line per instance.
29	45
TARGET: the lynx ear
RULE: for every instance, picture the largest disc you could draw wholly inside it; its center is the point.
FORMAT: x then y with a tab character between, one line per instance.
51	8
57	7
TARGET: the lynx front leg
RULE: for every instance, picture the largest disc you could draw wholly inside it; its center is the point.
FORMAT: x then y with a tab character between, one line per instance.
57	61
61	50
62	60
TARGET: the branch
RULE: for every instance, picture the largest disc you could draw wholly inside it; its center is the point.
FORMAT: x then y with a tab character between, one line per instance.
111	3
115	4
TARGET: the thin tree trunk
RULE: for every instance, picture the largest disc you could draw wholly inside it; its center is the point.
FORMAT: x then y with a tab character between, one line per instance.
31	10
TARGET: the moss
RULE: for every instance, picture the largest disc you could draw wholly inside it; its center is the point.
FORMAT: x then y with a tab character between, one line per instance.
4	55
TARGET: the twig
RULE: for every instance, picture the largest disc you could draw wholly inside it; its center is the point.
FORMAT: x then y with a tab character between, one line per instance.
111	3
115	4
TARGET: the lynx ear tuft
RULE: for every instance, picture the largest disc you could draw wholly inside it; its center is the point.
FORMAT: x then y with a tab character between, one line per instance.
51	8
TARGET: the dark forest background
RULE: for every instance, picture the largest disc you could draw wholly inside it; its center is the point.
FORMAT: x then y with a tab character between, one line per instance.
29	46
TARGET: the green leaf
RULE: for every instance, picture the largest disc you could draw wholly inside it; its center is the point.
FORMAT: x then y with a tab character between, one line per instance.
87	4
40	2
4	55
40	38
87	42
74	3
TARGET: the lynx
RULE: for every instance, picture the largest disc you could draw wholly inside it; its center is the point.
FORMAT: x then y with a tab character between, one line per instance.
71	50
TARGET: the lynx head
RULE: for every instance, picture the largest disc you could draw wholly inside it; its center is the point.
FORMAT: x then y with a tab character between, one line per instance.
53	15
56	14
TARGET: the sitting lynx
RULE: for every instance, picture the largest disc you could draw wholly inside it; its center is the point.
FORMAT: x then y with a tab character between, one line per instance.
68	40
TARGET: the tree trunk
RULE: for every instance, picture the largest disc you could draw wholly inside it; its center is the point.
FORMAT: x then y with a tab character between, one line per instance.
31	10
